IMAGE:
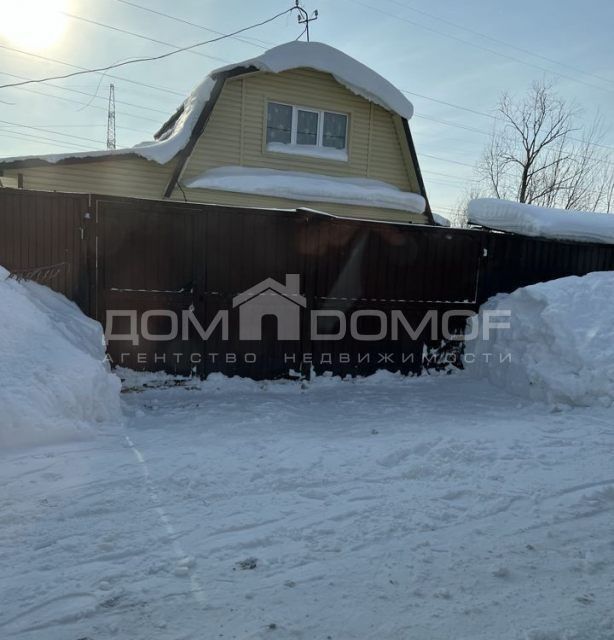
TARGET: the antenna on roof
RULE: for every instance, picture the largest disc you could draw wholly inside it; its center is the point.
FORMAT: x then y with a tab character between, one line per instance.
111	139
304	17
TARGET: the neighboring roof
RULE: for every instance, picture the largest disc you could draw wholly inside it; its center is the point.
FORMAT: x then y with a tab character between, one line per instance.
175	134
530	220
309	187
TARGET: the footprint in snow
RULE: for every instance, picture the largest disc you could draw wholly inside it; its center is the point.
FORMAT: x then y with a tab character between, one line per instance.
247	564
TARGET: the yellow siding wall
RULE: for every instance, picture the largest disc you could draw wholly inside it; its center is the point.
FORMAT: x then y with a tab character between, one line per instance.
135	177
235	134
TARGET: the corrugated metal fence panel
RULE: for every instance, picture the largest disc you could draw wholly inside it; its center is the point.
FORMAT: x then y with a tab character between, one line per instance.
145	255
39	229
243	247
517	261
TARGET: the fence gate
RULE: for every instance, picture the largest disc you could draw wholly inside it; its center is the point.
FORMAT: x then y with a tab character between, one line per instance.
168	272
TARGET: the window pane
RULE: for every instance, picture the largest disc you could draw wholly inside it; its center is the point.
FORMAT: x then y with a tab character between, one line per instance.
307	127
333	134
279	123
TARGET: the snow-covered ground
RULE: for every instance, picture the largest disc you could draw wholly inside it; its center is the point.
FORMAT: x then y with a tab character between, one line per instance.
387	508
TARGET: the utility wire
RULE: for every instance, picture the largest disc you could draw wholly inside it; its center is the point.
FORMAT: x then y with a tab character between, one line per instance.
427	155
479	46
92	106
57	133
13	134
140	36
492	117
252	41
89	95
74	66
503	42
452	124
151	58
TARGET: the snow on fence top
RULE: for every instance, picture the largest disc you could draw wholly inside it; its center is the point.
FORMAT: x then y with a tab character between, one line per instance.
530	220
354	75
309	187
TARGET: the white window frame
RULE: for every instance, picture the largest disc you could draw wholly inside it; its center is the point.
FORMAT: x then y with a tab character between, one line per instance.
308	149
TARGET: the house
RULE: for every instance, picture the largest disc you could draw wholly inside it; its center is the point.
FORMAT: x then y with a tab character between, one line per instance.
271	298
303	125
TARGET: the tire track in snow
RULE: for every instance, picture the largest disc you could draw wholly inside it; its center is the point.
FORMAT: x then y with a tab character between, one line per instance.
183	559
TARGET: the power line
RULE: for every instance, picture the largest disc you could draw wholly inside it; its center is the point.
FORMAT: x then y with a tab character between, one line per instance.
90	106
139	35
74	66
427	155
453	124
45	140
89	95
492	117
57	133
449	175
87	126
151	58
479	46
251	41
499	41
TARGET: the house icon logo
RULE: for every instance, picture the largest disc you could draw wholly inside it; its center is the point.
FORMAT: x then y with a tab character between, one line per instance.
271	298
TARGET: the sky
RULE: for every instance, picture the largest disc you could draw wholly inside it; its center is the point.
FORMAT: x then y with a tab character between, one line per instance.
453	58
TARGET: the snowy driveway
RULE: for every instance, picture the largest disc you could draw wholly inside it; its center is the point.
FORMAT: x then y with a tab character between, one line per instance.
426	509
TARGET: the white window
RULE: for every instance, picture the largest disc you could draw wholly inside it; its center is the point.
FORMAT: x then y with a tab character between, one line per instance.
305	131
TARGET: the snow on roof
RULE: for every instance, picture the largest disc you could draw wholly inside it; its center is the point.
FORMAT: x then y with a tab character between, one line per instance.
442	221
530	220
309	187
354	75
162	150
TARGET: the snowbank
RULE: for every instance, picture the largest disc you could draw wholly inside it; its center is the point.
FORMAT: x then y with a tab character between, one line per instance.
529	220
559	341
309	187
54	383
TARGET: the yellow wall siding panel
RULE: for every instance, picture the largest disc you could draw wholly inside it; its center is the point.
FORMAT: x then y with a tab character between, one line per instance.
134	177
220	143
235	134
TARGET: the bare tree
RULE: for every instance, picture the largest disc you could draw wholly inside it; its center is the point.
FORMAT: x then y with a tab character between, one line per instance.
460	215
539	154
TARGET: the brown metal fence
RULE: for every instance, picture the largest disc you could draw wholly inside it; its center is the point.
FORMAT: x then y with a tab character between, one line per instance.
42	237
158	263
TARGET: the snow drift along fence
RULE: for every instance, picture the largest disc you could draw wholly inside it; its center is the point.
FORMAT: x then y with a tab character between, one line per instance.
147	262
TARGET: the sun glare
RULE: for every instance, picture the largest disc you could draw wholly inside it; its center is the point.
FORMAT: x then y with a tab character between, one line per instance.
32	24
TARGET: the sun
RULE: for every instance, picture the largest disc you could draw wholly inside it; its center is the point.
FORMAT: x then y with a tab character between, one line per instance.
32	24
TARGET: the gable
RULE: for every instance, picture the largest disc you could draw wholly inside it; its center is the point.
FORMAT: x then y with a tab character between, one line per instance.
235	132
